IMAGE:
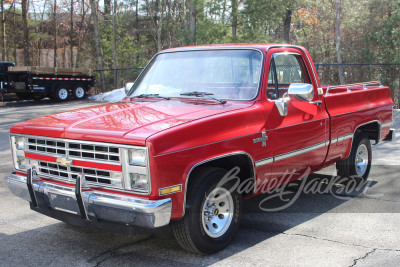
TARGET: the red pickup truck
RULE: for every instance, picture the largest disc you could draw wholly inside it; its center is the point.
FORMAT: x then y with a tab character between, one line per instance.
196	123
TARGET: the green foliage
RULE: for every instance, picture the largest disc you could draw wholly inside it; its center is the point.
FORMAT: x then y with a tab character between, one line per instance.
385	32
209	32
128	50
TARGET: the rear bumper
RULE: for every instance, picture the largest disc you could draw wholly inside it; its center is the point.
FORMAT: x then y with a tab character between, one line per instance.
87	206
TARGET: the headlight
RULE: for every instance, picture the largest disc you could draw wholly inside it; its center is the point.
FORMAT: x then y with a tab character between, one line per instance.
17	149
139	181
137	157
19	142
136	170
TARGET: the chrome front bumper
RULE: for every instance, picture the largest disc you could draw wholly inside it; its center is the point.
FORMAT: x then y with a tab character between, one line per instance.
89	204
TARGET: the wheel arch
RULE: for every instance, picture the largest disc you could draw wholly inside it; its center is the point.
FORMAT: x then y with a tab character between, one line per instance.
372	129
227	161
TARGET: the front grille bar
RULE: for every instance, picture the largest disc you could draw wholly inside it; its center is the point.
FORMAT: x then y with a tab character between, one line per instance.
70	173
73	150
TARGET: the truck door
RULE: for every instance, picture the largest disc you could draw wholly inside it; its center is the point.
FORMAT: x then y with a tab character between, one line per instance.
299	138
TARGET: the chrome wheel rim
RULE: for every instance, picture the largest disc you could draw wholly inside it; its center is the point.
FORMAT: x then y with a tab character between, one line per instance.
361	160
217	212
79	92
63	93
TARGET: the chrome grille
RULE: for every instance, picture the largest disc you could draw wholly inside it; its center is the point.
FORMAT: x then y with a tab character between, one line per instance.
71	172
73	149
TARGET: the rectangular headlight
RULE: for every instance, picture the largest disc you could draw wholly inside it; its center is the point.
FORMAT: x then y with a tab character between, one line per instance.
139	182
137	157
19	142
17	150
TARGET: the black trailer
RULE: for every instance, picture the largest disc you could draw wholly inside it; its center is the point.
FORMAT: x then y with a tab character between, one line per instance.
57	83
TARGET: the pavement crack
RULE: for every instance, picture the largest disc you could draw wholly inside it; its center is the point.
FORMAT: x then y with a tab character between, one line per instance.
343	243
277	232
106	255
363	257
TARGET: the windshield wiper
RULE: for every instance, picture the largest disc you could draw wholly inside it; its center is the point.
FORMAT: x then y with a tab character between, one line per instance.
150	96
203	94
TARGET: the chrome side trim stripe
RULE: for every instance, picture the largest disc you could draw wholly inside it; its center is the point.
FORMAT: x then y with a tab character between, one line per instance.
264	162
342	138
299	152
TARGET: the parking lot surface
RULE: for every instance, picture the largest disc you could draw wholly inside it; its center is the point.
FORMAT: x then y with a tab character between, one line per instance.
331	228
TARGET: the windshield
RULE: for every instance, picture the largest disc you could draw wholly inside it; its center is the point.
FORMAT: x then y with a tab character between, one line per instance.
224	74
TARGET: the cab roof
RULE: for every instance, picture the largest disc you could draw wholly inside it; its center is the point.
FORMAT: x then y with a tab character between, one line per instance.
260	46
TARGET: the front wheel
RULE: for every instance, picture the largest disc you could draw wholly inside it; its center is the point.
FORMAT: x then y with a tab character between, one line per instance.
212	215
360	159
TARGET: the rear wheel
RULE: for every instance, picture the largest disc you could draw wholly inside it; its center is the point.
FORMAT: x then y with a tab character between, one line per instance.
359	162
61	93
212	215
79	92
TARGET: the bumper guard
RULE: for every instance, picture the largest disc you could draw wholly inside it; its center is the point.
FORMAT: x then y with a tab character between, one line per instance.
89	204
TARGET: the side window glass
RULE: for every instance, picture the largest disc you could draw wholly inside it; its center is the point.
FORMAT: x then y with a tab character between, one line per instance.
284	70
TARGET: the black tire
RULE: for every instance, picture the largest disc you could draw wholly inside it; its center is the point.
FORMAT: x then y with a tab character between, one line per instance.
61	94
191	231
79	92
355	165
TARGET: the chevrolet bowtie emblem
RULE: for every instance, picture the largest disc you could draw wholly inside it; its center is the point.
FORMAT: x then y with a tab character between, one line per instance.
263	139
64	161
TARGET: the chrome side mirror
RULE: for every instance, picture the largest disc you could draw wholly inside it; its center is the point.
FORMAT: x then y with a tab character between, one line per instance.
128	87
301	91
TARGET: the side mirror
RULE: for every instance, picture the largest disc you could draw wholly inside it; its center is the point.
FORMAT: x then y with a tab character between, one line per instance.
128	87
301	91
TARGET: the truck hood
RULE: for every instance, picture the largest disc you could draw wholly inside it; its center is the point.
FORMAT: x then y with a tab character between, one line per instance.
123	122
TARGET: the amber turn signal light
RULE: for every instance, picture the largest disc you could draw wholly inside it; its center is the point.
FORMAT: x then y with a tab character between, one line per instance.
170	190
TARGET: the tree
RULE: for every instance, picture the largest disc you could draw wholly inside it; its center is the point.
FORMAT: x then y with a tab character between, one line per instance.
25	29
3	33
71	36
115	44
235	14
99	52
55	33
338	41
286	25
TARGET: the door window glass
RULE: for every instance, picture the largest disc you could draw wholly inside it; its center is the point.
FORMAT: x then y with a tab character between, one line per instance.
284	70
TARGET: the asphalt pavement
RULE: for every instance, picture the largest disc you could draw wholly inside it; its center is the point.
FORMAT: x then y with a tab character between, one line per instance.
335	226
